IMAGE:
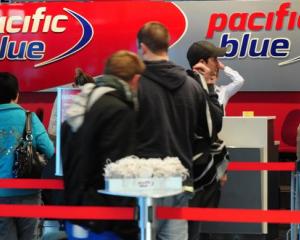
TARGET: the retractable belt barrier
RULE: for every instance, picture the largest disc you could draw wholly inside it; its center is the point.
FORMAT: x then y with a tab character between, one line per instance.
58	184
229	215
31	183
268	166
124	213
67	212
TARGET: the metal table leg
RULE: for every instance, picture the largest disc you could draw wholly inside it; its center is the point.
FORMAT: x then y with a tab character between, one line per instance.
144	224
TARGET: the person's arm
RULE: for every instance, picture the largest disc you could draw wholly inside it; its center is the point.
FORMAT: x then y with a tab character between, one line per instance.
209	76
41	138
237	81
210	79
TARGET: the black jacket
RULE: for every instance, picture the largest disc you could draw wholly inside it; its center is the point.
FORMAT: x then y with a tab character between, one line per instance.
216	110
108	132
171	111
209	151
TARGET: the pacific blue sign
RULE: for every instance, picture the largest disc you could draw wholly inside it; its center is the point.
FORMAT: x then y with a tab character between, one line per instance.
42	43
247	46
40	21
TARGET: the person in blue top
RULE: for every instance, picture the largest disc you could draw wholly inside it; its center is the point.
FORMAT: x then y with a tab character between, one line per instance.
12	124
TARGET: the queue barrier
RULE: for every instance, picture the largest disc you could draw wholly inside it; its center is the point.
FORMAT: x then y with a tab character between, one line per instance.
198	214
57	184
67	212
229	215
169	213
295	201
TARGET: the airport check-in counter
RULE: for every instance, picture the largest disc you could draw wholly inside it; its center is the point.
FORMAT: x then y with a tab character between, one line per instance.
249	139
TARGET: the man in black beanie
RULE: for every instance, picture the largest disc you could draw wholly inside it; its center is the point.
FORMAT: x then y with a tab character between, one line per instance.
210	158
206	53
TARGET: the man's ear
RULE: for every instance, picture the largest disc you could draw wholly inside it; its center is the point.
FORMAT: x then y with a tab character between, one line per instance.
144	48
134	83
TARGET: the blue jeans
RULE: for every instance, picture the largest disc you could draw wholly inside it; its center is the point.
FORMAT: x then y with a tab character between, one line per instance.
172	229
19	228
76	232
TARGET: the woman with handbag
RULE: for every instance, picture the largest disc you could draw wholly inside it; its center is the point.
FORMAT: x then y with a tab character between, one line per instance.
12	126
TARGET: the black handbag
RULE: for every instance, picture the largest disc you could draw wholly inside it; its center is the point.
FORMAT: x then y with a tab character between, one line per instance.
28	162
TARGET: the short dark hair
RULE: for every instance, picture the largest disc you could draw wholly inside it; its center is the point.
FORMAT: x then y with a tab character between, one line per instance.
9	87
82	78
155	36
124	64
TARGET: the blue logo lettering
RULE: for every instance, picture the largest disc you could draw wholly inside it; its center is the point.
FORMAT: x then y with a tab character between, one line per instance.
86	37
251	47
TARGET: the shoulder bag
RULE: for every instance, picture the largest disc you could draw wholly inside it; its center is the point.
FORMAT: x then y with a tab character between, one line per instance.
28	162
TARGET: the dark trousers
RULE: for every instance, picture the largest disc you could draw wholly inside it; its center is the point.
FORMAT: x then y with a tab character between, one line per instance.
208	197
12	228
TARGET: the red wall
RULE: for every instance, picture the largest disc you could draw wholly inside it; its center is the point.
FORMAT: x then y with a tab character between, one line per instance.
284	105
35	101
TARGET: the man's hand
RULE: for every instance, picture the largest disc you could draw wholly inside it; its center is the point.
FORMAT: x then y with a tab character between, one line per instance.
201	68
223	180
210	77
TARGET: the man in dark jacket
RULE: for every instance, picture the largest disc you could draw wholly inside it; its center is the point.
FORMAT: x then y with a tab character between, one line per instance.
107	132
171	112
210	159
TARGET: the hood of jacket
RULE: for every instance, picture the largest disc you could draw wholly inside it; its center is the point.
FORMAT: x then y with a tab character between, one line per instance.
165	73
116	83
91	92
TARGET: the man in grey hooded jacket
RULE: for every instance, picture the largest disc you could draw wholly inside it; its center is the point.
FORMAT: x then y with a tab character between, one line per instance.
107	132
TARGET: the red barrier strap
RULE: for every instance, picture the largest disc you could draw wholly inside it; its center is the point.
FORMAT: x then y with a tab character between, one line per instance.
31	183
228	215
58	184
259	166
67	212
124	213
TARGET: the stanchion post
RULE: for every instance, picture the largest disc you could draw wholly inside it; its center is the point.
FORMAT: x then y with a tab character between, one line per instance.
292	193
144	223
298	142
296	233
298	177
296	191
295	185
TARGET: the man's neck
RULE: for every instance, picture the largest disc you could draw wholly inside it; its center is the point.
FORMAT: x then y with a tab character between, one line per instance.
155	57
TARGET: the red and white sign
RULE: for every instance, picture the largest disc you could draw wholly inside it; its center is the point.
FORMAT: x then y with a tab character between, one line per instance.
42	43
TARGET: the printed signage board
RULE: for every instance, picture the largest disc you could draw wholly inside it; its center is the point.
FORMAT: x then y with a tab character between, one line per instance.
42	43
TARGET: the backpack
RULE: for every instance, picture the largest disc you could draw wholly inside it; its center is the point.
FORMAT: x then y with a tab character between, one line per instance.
71	140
